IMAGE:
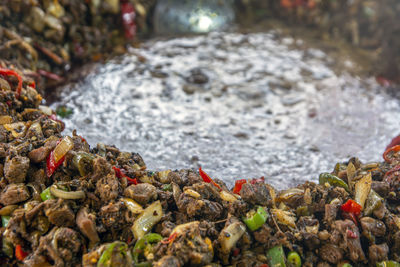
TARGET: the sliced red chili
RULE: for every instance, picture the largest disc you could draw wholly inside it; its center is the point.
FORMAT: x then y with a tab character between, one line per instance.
128	15
19	253
257	180
350	216
352	207
390	173
395	141
8	72
391	149
170	239
82	139
33	84
52	165
238	186
207	178
351	234
236	252
120	174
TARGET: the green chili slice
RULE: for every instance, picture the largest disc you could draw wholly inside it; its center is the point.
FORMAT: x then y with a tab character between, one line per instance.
256	218
347	265
82	161
115	254
294	259
63	111
7	248
332	180
276	257
145	243
5	220
388	264
167	187
45	195
374	201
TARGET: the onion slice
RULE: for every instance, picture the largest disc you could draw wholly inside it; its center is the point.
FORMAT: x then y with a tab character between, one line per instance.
230	235
63	147
147	219
362	189
66	195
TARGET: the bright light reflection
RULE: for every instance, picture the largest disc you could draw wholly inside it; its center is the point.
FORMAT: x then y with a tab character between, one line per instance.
204	23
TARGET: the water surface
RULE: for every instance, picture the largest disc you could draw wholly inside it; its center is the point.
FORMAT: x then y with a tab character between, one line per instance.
239	105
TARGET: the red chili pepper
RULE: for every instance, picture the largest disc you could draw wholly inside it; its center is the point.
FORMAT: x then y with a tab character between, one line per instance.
352	207
258	180
391	149
128	15
170	239
238	186
383	81
264	265
120	174
395	141
82	139
236	252
207	178
8	72
351	234
33	84
350	216
390	173
52	165
19	253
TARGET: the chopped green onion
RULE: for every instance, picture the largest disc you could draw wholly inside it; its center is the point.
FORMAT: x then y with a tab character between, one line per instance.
7	247
145	243
255	219
374	201
276	257
332	180
45	195
294	259
144	264
5	220
63	111
116	253
167	187
82	161
388	264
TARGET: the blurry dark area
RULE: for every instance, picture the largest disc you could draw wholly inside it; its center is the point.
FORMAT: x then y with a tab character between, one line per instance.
369	25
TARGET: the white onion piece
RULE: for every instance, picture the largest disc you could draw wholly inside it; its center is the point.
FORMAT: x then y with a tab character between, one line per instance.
46	110
362	189
66	195
230	235
63	147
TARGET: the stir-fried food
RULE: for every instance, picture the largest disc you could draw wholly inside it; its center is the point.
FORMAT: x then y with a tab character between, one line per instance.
64	203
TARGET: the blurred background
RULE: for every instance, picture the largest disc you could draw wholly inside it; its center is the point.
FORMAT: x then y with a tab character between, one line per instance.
245	88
